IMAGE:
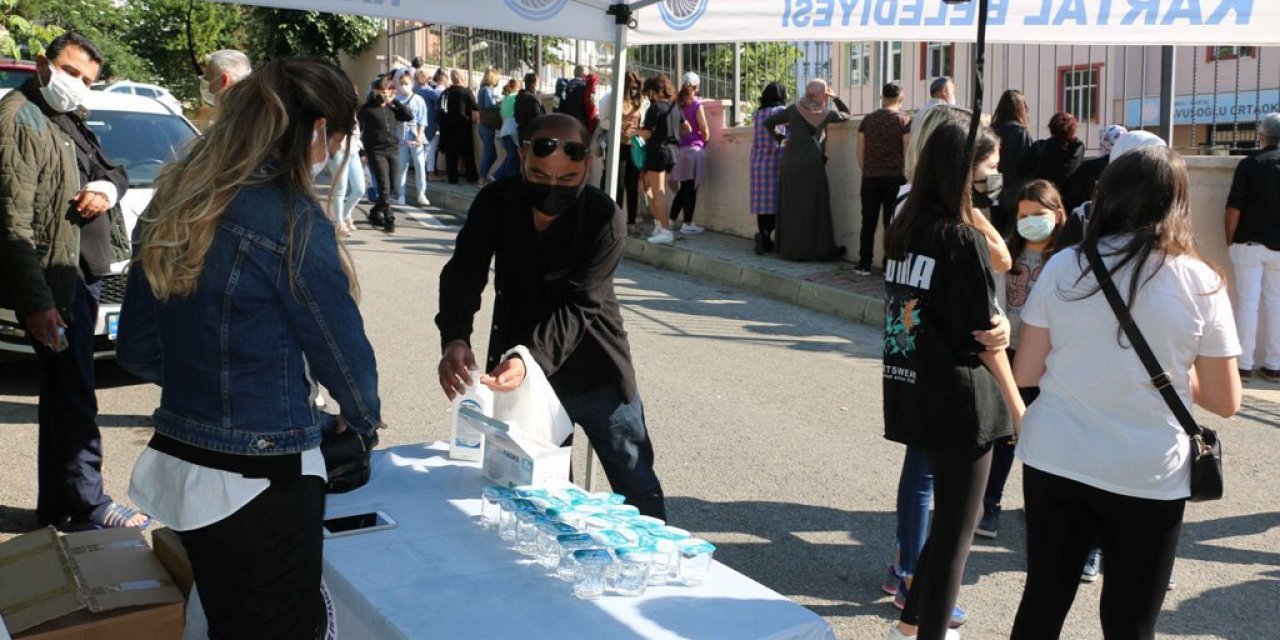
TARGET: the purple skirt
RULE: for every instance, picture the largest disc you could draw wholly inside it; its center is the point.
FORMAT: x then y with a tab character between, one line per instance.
691	164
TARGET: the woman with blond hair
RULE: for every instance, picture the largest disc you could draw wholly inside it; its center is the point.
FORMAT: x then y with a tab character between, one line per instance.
489	123
241	300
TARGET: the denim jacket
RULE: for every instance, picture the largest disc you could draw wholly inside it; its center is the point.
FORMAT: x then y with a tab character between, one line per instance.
237	357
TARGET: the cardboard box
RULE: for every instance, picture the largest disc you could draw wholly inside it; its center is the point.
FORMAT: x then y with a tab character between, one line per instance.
173	555
512	461
156	622
45	576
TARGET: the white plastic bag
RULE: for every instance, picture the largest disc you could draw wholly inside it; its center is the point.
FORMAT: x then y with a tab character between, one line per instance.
533	411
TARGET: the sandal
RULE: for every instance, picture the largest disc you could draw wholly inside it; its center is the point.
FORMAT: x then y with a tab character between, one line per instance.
114	515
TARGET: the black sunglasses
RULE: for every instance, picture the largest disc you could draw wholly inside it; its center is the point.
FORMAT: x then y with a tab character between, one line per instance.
543	147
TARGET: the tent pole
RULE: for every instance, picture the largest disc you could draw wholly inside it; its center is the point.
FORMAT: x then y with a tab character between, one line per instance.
1167	64
612	157
979	72
736	119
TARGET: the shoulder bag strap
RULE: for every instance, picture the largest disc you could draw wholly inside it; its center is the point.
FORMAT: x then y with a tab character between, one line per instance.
1159	377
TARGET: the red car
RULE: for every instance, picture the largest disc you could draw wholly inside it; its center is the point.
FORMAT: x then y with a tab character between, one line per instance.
13	73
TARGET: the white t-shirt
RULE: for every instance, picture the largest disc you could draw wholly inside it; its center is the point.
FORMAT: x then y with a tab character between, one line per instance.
1099	420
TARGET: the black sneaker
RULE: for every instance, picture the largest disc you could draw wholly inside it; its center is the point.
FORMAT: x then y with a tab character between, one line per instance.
1246	374
1270	375
989	526
389	223
862	269
760	246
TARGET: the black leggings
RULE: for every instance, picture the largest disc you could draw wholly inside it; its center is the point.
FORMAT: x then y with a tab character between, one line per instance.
385	167
686	199
1139	540
628	184
767	223
959	478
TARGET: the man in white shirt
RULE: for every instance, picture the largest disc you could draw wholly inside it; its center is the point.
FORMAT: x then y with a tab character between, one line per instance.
941	91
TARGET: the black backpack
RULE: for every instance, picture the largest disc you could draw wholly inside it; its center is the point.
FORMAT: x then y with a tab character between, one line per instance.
574	102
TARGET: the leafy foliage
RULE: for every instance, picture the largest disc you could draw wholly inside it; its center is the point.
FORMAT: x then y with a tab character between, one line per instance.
107	25
174	36
21	38
275	33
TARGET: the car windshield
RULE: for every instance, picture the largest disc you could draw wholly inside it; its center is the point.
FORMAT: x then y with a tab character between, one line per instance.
13	78
142	143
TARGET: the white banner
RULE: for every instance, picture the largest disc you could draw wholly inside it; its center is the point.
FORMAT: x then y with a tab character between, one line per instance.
1176	22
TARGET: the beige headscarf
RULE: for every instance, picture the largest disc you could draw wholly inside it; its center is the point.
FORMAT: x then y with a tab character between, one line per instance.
813	104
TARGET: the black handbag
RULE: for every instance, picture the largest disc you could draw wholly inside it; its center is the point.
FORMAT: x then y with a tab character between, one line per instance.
1206	447
346	458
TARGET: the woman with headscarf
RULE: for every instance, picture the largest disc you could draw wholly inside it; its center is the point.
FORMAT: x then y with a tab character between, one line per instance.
1080	186
766	156
805	231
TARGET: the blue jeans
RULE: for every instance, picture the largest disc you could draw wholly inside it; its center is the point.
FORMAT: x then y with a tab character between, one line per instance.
490	153
347	186
511	161
417	155
618	435
915	494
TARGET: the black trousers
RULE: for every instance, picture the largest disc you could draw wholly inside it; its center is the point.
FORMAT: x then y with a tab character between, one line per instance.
879	197
385	167
628	184
686	200
258	571
959	480
618	434
459	147
1139	540
69	453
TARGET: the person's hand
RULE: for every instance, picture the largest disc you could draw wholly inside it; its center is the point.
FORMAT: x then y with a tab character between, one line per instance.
685	127
91	204
43	327
455	368
997	337
507	377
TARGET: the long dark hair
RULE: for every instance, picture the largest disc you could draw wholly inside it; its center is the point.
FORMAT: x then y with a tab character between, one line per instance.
1044	193
774	95
636	99
1144	195
1011	108
661	85
940	189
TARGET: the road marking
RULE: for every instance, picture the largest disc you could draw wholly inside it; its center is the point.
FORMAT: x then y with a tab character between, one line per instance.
430	220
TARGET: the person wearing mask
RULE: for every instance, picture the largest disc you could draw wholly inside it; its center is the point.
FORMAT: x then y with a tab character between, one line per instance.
431	89
413	142
1039	217
946	391
62	230
1081	184
457	130
766	163
222	69
661	130
942	92
1253	240
528	106
234	465
509	132
805	230
691	158
555	243
380	121
346	169
1073	231
633	107
579	97
883	137
1012	122
489	124
1059	156
1102	452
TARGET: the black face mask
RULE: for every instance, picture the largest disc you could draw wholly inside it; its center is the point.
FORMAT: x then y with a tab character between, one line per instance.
553	199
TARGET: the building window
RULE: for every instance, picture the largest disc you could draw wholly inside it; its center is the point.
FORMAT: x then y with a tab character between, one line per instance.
1079	90
1218	54
937	59
859	64
891	62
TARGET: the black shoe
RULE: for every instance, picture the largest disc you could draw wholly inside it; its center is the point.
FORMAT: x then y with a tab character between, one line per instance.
862	269
389	224
1246	374
760	240
376	217
1270	375
769	245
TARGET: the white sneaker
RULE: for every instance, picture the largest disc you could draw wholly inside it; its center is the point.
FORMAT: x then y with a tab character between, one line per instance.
691	229
894	634
423	202
662	237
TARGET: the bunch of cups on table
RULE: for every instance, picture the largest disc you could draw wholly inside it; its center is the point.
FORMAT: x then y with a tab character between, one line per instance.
594	541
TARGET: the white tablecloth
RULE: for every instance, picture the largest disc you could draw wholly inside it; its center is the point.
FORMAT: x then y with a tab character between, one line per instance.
437	575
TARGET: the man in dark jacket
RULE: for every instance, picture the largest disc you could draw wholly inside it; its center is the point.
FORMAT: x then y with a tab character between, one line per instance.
380	121
60	231
528	106
555	243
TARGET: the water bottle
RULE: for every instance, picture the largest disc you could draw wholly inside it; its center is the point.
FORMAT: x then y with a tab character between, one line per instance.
468	442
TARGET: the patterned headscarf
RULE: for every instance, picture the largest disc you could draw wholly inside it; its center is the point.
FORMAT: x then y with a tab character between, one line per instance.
1107	138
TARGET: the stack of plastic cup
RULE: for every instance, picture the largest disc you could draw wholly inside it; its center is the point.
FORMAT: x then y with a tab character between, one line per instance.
695	561
569	543
632	575
527	523
591	569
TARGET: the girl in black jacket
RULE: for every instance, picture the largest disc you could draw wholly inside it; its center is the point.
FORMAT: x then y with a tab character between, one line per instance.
380	120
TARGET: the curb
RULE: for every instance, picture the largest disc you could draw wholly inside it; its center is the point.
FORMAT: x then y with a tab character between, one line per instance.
845	305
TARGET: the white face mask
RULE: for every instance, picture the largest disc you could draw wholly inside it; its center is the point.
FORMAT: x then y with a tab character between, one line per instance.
1036	228
322	137
206	93
63	92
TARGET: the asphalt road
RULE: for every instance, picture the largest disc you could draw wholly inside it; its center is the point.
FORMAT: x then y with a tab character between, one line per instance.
767	423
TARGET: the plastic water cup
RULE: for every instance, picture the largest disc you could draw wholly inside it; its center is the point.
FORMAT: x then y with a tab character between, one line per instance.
632	575
649	522
507	518
573	494
591	567
624	510
489	507
597	523
695	561
568	543
529	491
560	514
548	547
527	523
609	498
666	562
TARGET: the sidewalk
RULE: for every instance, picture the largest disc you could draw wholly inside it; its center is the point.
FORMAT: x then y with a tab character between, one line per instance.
828	287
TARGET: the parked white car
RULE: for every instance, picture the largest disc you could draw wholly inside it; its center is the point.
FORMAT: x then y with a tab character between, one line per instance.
141	135
152	91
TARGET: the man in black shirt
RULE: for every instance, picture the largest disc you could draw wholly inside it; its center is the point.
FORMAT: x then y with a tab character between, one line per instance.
557	242
1253	235
528	106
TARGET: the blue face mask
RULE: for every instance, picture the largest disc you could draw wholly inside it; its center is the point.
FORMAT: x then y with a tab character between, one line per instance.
1036	228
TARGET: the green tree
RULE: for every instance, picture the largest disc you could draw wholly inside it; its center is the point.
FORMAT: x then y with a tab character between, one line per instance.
275	33
762	63
106	24
174	36
21	38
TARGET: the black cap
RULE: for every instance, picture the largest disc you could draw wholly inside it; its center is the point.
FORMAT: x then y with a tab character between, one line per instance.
891	91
